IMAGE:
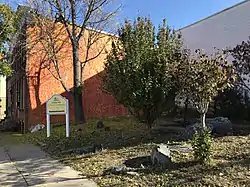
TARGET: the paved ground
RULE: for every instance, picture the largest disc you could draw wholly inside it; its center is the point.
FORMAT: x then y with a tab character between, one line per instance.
26	165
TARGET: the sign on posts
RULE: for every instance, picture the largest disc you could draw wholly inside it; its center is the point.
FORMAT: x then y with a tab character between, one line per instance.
57	105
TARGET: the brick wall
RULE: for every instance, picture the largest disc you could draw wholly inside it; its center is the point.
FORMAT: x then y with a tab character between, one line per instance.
97	103
42	84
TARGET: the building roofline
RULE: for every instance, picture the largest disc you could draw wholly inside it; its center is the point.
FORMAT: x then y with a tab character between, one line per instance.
215	14
102	32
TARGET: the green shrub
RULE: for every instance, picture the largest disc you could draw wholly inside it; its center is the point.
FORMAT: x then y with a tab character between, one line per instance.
202	146
139	68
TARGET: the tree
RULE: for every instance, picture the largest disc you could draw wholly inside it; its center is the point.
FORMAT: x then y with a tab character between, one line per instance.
5	68
201	76
82	20
8	21
241	63
233	103
138	69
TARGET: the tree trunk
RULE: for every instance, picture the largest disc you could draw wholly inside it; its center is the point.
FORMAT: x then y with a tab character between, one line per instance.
78	104
185	112
215	107
203	120
147	117
149	125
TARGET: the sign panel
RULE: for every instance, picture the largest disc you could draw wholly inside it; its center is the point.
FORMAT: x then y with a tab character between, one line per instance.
57	105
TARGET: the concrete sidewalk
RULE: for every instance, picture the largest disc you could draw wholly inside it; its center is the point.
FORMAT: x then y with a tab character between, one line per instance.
26	165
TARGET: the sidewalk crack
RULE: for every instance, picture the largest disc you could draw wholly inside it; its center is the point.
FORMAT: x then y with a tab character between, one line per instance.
6	150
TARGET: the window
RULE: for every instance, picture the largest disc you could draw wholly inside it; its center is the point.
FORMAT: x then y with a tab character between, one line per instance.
22	93
18	94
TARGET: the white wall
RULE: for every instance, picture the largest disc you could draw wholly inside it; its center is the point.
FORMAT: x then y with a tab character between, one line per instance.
226	29
2	86
2	96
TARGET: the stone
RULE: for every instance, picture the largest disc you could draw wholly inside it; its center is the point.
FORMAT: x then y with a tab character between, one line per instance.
97	148
219	126
133	173
118	169
122	169
190	131
107	128
99	125
160	155
36	128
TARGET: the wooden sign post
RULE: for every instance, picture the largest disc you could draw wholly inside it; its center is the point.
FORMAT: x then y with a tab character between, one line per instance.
57	105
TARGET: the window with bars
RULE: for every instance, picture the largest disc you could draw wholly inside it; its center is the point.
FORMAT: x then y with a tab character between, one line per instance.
20	95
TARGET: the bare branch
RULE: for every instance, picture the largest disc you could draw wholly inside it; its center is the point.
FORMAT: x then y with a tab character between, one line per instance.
86	18
49	35
62	14
73	18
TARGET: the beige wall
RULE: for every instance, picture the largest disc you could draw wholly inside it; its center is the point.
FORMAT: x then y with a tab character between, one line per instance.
2	96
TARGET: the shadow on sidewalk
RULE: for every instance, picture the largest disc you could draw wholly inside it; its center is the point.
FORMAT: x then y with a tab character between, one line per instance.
26	164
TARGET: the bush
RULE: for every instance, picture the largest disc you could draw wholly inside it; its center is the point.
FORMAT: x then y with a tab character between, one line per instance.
234	104
139	68
202	146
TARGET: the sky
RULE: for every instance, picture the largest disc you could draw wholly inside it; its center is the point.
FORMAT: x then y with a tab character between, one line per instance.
179	13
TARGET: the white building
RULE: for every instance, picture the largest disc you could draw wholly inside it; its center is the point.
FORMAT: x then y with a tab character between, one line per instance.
2	96
221	30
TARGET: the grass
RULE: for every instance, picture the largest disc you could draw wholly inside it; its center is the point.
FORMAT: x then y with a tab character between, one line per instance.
128	139
11	138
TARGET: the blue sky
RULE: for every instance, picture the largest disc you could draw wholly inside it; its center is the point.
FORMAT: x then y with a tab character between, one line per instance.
179	13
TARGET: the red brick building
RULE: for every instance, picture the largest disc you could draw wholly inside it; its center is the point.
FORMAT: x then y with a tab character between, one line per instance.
34	81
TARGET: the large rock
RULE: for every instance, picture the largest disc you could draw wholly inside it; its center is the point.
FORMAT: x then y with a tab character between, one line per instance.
121	169
219	126
160	155
190	131
97	148
99	125
36	128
